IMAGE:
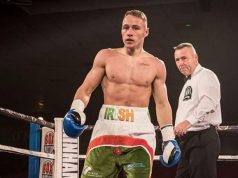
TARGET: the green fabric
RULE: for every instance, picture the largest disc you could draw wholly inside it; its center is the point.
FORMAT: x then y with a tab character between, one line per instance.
107	162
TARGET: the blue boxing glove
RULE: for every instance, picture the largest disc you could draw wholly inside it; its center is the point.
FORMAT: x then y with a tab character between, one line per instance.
171	151
74	119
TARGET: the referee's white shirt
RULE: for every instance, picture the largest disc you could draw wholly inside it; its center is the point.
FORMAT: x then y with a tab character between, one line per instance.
199	100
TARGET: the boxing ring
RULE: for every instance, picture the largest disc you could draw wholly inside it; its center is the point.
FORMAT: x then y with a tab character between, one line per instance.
59	155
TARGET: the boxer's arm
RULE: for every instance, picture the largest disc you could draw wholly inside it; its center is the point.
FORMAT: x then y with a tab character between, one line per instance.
93	79
171	151
163	108
75	118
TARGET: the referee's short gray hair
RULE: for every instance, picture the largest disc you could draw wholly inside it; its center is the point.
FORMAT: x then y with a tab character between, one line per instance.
184	45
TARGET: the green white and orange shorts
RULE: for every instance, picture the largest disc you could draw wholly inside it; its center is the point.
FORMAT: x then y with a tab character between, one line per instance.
123	138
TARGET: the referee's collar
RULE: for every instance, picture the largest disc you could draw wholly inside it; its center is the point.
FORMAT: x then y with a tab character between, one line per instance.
197	70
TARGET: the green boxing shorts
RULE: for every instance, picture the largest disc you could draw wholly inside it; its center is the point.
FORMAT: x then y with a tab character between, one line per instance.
107	162
123	138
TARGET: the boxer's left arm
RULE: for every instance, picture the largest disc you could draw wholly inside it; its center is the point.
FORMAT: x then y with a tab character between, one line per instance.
171	151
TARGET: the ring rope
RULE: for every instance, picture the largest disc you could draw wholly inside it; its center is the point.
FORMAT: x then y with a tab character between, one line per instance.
16	115
230	128
10	149
227	128
220	158
227	157
14	150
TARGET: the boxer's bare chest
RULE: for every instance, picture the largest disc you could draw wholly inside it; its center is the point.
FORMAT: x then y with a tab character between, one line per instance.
130	71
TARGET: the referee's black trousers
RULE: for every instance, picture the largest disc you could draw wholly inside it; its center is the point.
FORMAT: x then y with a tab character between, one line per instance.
200	151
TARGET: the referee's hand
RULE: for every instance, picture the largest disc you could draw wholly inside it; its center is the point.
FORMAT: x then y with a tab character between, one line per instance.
181	128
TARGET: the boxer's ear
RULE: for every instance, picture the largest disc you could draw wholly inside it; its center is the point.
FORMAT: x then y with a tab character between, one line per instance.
147	32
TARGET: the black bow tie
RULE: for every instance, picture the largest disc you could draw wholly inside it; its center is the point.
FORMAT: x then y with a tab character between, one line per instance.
187	78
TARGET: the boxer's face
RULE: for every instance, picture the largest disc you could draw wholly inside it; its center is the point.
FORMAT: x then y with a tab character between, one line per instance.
186	60
133	31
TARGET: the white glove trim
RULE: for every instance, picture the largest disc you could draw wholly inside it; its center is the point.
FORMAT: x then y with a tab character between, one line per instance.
167	152
78	106
167	133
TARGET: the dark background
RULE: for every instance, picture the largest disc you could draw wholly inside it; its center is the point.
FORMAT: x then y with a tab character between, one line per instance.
48	46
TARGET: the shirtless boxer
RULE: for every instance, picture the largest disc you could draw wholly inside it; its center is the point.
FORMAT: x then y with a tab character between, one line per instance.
124	137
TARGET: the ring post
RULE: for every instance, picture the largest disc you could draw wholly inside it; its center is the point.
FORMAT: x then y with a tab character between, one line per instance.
58	147
34	144
66	153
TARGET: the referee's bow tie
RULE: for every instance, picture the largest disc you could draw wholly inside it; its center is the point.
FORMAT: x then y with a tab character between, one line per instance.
187	78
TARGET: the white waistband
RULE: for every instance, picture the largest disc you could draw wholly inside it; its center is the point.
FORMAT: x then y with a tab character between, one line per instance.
126	107
124	113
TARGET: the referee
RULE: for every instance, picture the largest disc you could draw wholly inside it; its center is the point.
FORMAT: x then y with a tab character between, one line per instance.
198	115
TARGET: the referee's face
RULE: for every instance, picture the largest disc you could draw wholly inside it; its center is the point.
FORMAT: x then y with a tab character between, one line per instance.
186	60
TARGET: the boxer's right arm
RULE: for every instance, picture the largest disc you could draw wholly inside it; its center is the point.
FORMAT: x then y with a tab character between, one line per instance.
75	118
